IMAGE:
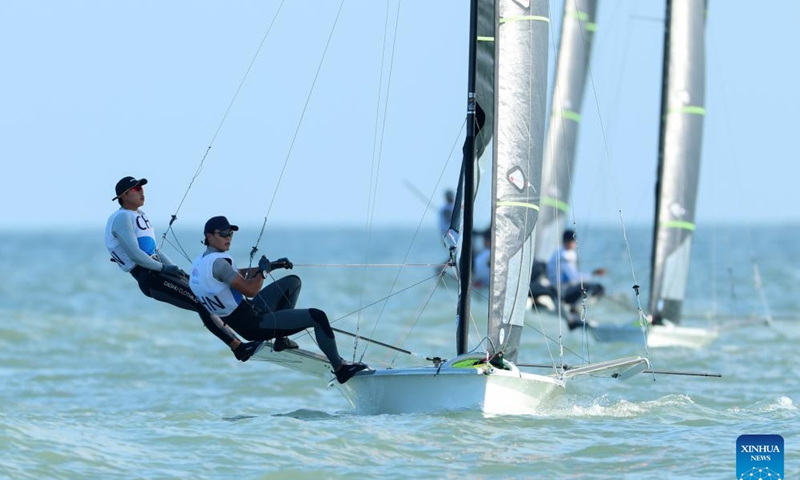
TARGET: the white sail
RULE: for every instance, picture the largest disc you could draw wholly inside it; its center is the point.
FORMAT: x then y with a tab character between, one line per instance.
521	93
683	111
577	31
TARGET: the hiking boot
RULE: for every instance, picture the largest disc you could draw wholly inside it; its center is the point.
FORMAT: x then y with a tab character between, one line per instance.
347	370
283	343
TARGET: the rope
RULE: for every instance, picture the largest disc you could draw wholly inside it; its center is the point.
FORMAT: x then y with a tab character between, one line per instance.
372	265
174	216
375	169
642	317
418	315
296	132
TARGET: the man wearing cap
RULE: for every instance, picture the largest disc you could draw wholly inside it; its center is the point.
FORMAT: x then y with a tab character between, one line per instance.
131	241
446	211
563	273
221	287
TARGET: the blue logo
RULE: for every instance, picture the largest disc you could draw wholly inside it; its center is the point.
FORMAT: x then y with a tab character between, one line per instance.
759	457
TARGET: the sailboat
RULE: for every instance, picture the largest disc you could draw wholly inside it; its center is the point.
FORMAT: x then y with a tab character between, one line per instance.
681	130
508	60
577	31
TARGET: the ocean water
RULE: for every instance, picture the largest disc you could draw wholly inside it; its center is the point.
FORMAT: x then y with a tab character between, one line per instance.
98	381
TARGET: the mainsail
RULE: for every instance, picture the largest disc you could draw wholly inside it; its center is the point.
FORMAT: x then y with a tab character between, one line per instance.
682	114
577	30
520	93
484	100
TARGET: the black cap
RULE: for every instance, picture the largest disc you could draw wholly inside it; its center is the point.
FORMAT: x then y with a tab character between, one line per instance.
569	236
219	223
126	184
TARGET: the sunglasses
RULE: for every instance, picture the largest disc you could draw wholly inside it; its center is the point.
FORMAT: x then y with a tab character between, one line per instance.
228	233
137	188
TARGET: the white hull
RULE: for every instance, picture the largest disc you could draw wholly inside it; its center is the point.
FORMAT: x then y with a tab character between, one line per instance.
448	388
658	336
461	384
678	336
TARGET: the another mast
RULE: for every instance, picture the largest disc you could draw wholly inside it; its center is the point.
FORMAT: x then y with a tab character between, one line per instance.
465	262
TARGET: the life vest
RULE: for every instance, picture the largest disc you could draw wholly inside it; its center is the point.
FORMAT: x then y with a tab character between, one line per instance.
145	238
218	297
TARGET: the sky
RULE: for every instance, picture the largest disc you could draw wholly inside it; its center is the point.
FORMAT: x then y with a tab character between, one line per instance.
315	130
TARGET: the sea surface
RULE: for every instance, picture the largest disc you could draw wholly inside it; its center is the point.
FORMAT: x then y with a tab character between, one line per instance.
98	381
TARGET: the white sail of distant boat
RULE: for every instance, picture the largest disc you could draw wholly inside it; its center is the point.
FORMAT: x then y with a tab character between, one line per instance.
488	381
682	114
577	31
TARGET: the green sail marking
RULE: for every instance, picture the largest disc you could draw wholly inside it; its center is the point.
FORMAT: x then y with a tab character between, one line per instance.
688	109
570	115
678	224
583	17
555	203
517	204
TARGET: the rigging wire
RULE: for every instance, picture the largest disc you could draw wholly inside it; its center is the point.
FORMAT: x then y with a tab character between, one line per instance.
584	296
199	169
376	140
615	190
643	321
415	235
549	149
734	163
296	132
423	305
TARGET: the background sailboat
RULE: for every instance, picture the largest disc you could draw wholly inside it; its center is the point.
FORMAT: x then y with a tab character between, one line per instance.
682	115
488	380
577	31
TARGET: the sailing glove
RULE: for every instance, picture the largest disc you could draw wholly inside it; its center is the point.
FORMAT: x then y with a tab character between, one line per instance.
245	350
282	263
170	270
264	266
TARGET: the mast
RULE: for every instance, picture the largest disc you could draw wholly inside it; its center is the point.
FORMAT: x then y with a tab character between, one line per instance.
465	262
577	31
662	125
679	150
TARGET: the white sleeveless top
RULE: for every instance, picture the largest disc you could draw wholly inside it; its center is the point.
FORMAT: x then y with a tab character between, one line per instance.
218	297
145	237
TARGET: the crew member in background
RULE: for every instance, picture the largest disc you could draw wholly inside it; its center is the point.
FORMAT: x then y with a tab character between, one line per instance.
563	273
481	267
445	212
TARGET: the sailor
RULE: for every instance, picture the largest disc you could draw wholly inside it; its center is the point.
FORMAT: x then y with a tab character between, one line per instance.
563	273
446	211
481	268
221	287
131	241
